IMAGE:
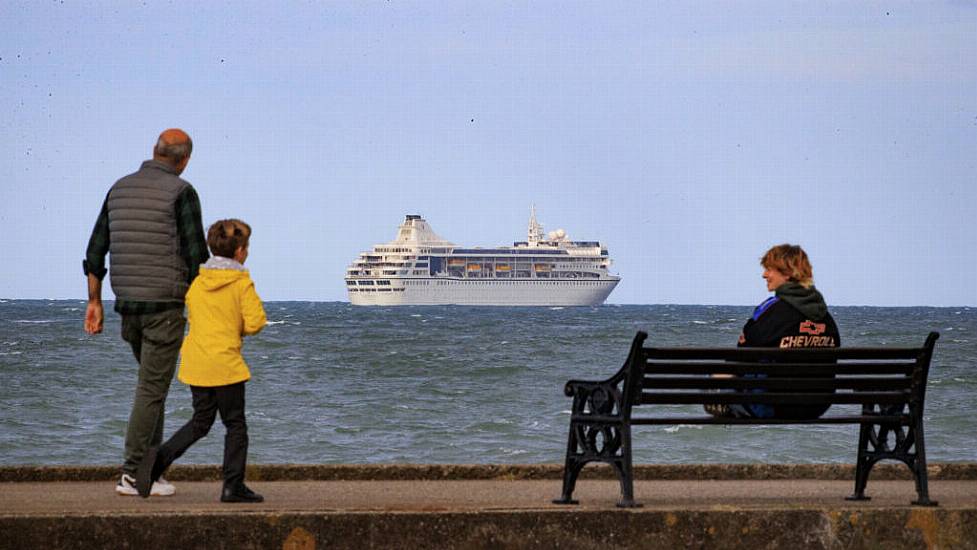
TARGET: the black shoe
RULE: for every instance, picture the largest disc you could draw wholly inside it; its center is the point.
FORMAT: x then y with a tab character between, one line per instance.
240	493
144	475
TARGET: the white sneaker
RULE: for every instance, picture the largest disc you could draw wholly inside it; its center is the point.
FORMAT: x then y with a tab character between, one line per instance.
127	487
162	488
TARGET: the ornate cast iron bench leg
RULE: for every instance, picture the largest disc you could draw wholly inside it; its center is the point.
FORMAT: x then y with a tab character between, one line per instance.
600	429
918	467
908	448
863	464
571	469
625	471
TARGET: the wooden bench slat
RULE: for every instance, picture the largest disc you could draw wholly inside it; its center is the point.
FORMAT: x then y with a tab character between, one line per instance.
675	420
749	354
792	369
712	420
772	398
772	383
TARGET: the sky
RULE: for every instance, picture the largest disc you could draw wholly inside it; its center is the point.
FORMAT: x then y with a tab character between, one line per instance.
687	137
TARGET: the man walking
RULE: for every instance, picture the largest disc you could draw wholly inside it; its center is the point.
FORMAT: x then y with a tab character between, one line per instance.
151	226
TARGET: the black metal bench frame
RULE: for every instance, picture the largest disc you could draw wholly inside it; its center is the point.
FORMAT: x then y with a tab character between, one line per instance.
889	384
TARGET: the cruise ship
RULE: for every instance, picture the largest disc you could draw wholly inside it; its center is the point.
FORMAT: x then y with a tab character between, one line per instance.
421	268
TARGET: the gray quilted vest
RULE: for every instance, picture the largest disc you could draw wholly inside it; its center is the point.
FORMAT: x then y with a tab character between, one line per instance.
145	261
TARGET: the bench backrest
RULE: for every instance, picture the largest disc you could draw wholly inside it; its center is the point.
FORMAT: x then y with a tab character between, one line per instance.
854	375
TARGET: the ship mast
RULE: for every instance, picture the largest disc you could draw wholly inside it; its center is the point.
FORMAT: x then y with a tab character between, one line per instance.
535	230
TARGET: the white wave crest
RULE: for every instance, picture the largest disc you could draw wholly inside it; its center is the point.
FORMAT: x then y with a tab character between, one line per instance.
674	429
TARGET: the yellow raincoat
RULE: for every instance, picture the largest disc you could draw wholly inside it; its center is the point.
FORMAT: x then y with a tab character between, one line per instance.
222	307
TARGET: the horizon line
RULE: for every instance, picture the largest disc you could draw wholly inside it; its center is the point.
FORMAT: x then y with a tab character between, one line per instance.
612	304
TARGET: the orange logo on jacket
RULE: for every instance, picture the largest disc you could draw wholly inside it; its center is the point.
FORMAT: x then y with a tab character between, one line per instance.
812	328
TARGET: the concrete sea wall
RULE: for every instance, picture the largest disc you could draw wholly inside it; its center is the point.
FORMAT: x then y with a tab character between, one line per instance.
491	506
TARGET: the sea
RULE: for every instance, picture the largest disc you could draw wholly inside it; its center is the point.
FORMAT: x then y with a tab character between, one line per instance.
337	384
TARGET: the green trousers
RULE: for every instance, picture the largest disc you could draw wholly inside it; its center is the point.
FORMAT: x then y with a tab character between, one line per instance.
155	339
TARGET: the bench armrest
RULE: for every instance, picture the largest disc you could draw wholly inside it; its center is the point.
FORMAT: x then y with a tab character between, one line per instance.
605	397
594	398
573	387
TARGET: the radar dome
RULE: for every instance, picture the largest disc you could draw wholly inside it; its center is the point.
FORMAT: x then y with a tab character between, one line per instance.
551	235
560	233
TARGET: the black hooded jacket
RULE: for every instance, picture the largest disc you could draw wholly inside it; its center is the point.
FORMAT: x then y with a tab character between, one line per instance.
796	317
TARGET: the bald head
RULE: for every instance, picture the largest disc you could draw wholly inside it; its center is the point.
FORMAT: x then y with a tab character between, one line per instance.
173	147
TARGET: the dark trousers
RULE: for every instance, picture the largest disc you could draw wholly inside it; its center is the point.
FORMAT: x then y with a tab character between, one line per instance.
155	339
207	402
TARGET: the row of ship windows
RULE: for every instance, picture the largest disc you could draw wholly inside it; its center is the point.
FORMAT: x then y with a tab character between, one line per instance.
380	282
376	290
496	283
408	282
488	274
390	264
523	274
401	262
411	252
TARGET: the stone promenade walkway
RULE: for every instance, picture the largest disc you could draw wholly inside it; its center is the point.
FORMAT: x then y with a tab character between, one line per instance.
85	498
488	513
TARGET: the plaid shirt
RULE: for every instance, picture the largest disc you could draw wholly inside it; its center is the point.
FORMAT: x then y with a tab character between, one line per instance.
193	248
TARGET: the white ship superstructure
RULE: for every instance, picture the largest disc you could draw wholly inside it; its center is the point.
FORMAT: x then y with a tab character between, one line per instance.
421	268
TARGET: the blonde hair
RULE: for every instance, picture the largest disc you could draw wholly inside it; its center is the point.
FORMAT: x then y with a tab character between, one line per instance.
225	236
791	260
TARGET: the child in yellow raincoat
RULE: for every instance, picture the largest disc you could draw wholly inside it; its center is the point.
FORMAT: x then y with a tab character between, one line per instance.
222	307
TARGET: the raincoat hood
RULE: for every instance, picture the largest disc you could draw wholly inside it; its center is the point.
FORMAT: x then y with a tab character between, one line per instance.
220	262
219	272
806	300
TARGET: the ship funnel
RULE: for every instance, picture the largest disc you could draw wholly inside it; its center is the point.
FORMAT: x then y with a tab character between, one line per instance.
416	231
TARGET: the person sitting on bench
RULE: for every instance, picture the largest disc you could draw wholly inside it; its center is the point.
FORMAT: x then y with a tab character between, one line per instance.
795	317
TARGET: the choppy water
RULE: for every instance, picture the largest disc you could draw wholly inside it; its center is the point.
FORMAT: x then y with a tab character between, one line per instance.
334	383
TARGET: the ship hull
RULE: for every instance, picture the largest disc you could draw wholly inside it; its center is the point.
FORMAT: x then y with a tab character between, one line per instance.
496	292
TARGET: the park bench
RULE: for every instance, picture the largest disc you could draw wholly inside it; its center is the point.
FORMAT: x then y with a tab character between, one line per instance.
888	383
